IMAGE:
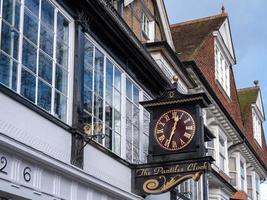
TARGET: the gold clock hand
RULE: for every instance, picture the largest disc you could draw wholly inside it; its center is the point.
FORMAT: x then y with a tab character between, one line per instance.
176	119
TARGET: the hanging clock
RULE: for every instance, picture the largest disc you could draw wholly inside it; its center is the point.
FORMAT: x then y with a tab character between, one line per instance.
174	130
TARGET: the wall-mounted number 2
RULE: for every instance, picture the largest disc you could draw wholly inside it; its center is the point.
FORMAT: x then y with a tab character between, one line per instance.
3	164
26	174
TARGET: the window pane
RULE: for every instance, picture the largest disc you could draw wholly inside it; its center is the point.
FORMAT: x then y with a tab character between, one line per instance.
232	165
87	100
11	12
109	82
135	95
62	54
98	107
28	85
99	62
60	106
47	15
128	89
45	68
30	27
129	111
61	79
88	54
136	116
129	151
117	100
108	116
117	121
135	155
8	72
46	41
10	40
108	138
117	80
62	28
44	96
135	136
98	127
33	5
29	56
129	132
117	144
98	84
88	78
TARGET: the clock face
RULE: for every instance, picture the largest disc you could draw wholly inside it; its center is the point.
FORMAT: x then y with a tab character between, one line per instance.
174	130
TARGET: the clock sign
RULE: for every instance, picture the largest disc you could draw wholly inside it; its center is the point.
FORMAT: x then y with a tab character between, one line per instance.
174	130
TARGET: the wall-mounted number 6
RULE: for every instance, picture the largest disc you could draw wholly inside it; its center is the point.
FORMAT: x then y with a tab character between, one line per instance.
26	174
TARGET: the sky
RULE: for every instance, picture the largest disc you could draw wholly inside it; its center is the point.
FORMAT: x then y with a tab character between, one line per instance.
248	22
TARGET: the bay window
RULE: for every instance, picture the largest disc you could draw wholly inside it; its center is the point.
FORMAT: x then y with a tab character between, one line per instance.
233	171
242	175
110	105
249	186
35	53
222	153
257	180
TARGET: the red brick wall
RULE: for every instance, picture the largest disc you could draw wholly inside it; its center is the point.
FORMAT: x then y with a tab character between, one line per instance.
205	60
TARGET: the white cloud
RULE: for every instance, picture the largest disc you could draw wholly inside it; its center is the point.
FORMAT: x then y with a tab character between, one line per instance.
263	190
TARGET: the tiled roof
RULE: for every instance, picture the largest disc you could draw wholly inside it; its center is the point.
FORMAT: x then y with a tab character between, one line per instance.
240	195
189	36
247	97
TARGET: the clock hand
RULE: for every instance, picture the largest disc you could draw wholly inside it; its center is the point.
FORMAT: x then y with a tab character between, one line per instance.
176	119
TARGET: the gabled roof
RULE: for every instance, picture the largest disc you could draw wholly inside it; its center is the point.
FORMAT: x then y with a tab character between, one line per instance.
189	36
247	97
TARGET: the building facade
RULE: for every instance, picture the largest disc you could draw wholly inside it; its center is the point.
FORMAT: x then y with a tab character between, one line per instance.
72	74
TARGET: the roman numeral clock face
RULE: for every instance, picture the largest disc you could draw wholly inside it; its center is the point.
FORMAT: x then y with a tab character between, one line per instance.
174	130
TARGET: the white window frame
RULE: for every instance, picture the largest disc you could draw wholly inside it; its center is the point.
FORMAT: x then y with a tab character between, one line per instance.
257	126
221	135
231	171
145	24
222	70
70	69
142	93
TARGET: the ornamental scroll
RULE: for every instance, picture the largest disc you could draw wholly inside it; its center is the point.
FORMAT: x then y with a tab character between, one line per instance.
161	178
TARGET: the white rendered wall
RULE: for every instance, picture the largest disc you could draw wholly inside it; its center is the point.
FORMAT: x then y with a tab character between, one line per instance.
24	125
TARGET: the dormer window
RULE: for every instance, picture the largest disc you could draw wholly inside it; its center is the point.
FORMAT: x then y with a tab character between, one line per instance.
222	71
256	127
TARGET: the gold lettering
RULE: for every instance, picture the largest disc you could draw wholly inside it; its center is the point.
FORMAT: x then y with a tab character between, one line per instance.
143	172
187	135
161	138
181	116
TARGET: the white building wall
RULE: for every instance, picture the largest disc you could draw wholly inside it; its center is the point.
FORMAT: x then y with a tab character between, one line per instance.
35	161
